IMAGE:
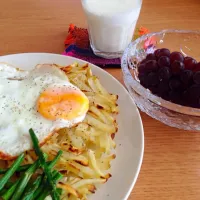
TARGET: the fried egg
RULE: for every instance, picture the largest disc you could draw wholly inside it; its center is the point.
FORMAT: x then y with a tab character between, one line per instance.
10	72
44	100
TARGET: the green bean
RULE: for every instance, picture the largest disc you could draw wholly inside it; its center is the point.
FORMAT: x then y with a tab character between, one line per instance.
11	171
24	180
35	190
56	176
31	190
9	192
47	171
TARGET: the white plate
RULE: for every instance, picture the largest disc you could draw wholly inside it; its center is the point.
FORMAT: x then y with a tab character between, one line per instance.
129	139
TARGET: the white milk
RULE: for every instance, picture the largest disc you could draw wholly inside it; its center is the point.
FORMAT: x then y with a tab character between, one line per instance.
111	23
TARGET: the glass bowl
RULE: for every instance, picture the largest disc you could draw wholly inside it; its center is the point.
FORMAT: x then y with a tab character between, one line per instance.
187	42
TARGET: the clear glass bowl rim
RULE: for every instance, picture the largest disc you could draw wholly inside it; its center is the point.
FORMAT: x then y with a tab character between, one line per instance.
131	83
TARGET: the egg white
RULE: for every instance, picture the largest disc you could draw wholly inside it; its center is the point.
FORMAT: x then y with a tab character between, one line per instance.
8	71
18	112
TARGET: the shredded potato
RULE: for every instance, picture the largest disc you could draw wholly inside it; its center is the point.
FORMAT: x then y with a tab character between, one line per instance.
87	147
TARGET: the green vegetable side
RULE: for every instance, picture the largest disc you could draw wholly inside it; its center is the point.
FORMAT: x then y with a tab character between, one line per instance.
25	189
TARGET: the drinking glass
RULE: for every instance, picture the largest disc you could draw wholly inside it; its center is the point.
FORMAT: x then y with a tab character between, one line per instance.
111	24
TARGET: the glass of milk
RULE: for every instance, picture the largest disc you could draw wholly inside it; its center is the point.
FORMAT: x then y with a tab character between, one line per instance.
111	25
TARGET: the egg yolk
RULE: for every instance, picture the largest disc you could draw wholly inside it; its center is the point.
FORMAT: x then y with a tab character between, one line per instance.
62	103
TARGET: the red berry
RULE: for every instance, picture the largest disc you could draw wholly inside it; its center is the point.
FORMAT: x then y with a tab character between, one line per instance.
163	52
152	79
156	52
151	56
197	67
175	96
186	76
141	68
143	61
177	67
196	77
164	61
193	95
190	63
151	65
176	56
143	80
163	88
174	84
164	74
171	77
